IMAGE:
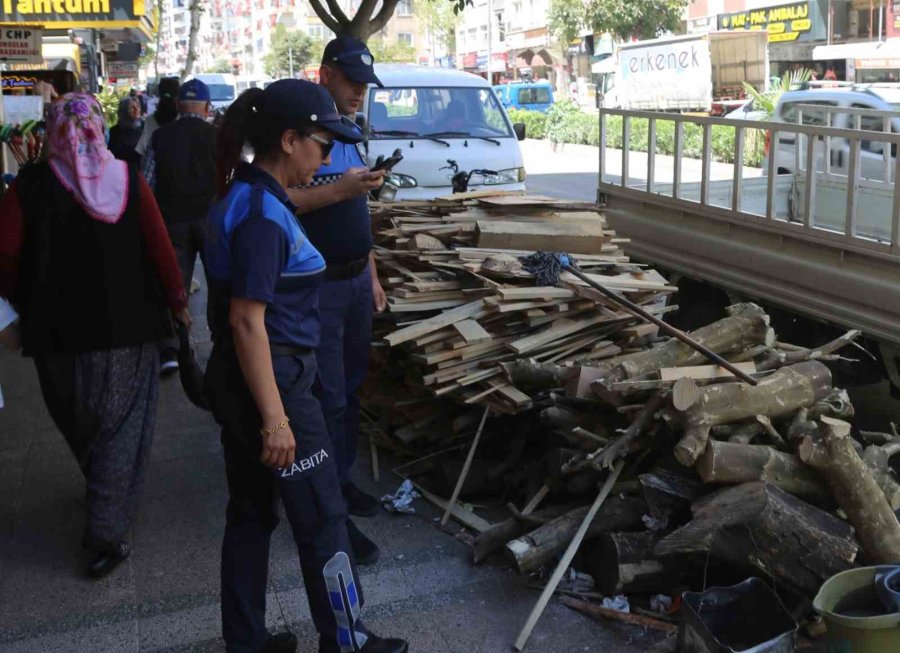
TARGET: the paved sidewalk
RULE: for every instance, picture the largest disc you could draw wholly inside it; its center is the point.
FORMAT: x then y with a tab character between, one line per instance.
165	598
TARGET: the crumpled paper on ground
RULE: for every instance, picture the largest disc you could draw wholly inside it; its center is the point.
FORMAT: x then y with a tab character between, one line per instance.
401	500
619	603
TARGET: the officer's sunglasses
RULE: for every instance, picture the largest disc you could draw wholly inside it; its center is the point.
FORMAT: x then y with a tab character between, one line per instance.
324	144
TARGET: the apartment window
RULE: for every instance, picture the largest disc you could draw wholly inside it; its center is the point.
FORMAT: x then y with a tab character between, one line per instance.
483	37
404	8
405	37
501	27
319	32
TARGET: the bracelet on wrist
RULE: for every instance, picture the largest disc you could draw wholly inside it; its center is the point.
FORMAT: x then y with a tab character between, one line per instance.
276	428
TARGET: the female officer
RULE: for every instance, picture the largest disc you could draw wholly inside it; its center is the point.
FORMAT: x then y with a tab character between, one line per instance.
264	278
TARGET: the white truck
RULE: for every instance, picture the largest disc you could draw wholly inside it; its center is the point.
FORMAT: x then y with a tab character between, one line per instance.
697	72
819	245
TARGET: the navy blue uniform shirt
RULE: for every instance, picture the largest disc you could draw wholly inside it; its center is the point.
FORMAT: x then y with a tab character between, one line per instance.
262	253
342	232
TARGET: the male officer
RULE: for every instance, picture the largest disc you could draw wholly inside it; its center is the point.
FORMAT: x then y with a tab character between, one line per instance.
180	166
335	215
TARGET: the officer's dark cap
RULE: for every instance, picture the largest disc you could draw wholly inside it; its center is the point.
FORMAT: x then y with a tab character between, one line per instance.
298	103
353	58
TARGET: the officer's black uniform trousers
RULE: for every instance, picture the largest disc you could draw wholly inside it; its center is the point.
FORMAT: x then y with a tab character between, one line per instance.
312	499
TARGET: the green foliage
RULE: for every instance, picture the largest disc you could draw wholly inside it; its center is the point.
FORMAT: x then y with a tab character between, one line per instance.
567	124
439	19
396	52
109	100
565	19
223	66
401	110
768	100
288	46
643	19
535	122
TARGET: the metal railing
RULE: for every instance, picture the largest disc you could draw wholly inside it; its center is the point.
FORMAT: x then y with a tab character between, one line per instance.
801	185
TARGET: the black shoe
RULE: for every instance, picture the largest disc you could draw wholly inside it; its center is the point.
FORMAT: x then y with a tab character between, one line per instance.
105	562
374	644
281	643
359	503
168	362
365	551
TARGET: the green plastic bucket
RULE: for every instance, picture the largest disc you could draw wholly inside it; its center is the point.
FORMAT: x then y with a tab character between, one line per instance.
845	591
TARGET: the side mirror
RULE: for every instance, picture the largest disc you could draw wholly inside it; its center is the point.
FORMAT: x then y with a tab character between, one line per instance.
519	129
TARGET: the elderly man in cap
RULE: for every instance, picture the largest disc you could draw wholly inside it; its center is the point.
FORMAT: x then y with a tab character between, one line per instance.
180	166
335	214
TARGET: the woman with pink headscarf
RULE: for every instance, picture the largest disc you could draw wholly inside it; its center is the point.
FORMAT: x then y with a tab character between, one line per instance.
86	261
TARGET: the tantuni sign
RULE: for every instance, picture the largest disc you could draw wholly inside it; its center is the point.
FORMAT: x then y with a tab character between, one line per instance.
77	14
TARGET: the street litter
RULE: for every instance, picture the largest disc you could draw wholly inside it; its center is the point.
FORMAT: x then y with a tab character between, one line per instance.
401	500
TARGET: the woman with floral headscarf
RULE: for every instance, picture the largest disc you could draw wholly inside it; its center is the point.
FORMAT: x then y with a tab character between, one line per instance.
86	261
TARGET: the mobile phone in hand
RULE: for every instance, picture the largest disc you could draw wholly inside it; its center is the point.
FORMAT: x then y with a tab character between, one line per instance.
388	163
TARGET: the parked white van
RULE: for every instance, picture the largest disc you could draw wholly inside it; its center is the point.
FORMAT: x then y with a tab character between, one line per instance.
444	121
222	88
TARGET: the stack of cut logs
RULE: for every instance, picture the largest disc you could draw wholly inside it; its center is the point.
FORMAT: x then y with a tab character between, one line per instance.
719	475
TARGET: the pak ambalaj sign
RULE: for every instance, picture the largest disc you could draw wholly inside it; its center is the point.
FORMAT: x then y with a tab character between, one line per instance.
78	14
798	21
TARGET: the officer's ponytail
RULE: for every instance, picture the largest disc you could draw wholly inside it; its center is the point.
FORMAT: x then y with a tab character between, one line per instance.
233	134
246	123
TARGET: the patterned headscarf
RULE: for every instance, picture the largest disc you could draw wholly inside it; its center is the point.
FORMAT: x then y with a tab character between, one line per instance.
77	153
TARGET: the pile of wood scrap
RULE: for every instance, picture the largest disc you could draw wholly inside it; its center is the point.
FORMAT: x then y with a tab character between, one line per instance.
706	479
461	305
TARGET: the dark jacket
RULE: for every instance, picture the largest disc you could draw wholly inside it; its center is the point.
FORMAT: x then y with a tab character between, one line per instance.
84	285
185	156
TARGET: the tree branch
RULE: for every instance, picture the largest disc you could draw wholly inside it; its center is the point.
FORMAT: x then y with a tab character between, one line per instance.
330	22
387	10
337	12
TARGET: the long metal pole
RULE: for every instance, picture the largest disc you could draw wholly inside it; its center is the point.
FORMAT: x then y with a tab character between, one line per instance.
291	59
490	35
880	20
665	326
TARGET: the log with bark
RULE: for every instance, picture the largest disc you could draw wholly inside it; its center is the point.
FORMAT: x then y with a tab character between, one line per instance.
757	526
622	563
529	374
780	394
746	326
727	463
832	453
530	551
878	458
496	537
615	615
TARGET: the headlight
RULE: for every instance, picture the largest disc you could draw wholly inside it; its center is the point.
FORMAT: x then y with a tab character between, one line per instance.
508	176
401	181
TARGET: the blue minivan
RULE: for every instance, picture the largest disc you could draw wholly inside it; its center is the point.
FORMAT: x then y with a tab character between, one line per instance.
533	96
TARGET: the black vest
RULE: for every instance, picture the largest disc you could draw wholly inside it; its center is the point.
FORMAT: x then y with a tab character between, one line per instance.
185	157
84	285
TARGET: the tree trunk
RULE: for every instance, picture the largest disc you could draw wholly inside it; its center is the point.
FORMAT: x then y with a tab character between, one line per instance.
852	483
196	10
496	537
746	326
785	391
759	526
160	12
729	463
623	563
540	546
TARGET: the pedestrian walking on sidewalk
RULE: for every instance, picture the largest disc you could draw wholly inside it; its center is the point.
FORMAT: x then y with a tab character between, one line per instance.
85	260
166	111
264	277
335	213
124	136
180	166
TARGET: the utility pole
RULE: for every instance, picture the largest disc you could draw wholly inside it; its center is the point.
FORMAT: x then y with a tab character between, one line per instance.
490	35
291	59
880	20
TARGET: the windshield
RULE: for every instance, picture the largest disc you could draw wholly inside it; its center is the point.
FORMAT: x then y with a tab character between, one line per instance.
219	92
448	112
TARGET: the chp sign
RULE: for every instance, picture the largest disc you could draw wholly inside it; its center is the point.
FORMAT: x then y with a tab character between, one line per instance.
20	44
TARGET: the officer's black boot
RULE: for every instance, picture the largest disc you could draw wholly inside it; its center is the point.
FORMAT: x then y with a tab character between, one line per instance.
365	551
374	644
281	643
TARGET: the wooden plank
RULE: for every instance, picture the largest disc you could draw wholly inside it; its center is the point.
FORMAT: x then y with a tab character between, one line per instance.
537	292
572	237
472	332
447	318
703	371
560	328
424	306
